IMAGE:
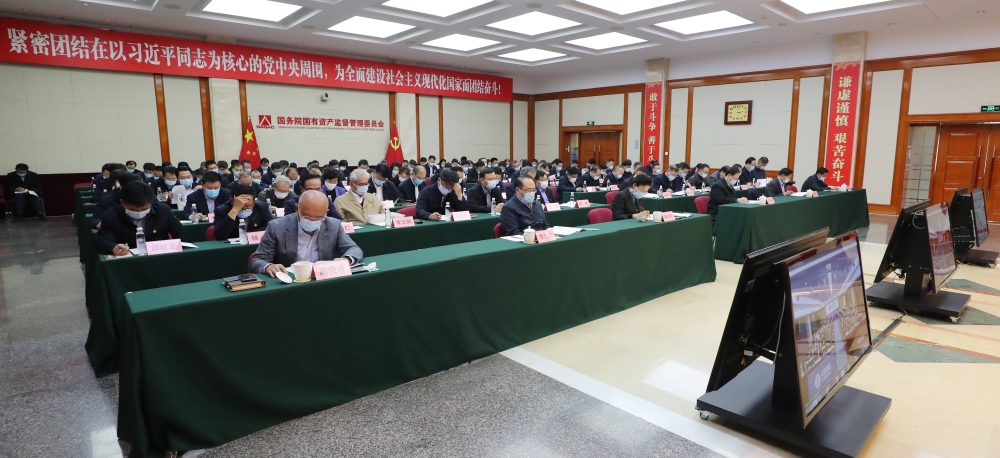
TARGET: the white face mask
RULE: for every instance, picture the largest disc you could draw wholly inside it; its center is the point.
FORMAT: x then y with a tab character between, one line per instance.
280	195
330	186
733	182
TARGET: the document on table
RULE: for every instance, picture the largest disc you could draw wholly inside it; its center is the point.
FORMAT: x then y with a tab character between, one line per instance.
800	194
567	205
752	202
514	238
682	215
564	231
680	193
188	245
186	221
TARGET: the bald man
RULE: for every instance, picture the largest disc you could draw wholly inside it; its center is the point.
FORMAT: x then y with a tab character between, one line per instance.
306	235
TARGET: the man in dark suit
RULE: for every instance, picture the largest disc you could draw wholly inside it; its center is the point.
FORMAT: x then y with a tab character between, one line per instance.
245	179
203	201
776	187
408	190
381	185
593	177
432	199
816	182
626	203
313	183
475	172
542	188
119	224
616	176
166	182
432	168
723	193
149	173
700	178
523	210
557	168
19	186
112	198
243	206
569	183
668	181
488	186
746	175
306	235
758	172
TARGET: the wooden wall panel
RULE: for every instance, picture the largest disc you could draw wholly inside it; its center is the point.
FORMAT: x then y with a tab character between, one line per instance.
161	117
206	119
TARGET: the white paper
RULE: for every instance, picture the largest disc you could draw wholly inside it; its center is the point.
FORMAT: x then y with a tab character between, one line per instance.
753	202
178	195
799	194
564	231
186	221
235	241
763	182
188	245
680	193
682	215
567	205
379	218
27	191
514	238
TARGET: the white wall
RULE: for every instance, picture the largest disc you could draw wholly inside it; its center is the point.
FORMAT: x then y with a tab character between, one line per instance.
954	88
754	59
630	73
227	119
717	144
809	125
520	129
631	149
678	124
182	99
602	110
60	120
406	124
302	145
978	33
883	127
476	128
429	126
547	130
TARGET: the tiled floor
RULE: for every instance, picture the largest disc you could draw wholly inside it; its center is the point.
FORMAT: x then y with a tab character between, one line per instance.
624	385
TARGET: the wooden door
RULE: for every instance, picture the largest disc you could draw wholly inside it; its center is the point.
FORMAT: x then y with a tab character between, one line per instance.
609	147
990	167
590	142
962	153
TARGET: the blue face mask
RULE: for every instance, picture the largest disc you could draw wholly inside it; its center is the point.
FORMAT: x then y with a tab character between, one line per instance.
444	191
703	175
671	178
572	180
212	193
170	182
639	194
377	181
187	182
256	180
618	176
22	175
244	213
132	170
529	198
278	173
149	175
293	182
308	225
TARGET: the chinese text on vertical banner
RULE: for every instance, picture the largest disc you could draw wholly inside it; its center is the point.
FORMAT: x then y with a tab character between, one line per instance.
844	96
651	122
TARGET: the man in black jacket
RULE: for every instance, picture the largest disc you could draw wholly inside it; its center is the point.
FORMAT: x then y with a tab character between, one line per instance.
408	190
19	186
746	175
776	187
814	182
111	199
489	180
569	183
381	185
118	225
523	210
242	206
700	178
626	203
432	199
203	201
722	192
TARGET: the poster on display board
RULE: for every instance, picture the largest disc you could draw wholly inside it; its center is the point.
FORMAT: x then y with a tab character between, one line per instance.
40	43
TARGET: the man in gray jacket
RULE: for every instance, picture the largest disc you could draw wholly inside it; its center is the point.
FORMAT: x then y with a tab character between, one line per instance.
307	235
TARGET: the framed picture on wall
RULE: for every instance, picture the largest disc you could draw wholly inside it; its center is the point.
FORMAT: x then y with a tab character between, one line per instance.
739	112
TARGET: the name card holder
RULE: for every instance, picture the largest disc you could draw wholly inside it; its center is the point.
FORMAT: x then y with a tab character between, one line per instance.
331	269
668	216
689	192
547	235
552	207
387	204
406	221
770	200
591	188
814	194
743	187
348	227
279	212
461	216
582	203
612	187
163	246
211	218
253	238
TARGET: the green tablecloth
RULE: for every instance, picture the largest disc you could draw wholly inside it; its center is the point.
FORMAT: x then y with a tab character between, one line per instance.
744	228
108	280
202	366
596	197
683	204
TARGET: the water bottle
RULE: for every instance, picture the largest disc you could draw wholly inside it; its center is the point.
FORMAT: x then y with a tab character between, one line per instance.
243	232
572	199
493	206
388	219
159	195
194	215
447	211
140	241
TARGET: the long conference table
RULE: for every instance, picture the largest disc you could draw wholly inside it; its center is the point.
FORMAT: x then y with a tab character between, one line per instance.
108	280
201	366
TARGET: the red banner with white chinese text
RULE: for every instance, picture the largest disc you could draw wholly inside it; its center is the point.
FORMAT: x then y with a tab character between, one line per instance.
845	93
652	108
40	43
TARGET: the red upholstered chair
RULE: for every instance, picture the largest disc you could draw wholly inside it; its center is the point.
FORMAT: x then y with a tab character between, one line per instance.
82	185
610	197
210	234
791	188
250	259
701	203
552	193
497	231
427	181
408	211
599	215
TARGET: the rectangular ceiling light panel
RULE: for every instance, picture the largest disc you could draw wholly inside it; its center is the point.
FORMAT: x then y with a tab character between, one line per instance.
263	10
820	6
606	41
439	8
704	23
534	23
624	7
461	42
531	55
360	25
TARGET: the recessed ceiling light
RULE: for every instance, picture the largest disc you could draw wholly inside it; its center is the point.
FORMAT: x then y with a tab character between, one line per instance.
533	23
606	41
704	23
819	6
624	7
359	25
461	42
264	10
440	8
531	55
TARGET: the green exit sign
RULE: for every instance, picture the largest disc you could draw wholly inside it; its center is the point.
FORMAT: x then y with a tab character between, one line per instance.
591	123
991	109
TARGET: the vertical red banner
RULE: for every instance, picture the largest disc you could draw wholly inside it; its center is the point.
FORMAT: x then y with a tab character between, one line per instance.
652	122
845	93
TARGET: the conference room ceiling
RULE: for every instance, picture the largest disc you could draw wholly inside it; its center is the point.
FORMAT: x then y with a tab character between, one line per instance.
526	38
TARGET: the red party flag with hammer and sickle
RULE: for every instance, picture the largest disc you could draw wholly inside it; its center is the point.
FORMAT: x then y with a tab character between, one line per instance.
394	153
250	151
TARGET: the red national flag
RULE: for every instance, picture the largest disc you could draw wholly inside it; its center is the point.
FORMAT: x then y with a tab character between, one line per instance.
394	153
250	151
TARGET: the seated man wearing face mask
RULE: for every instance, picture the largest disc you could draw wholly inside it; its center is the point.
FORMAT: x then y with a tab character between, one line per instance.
627	204
542	188
306	235
409	189
312	183
332	185
777	187
357	203
569	183
523	210
246	179
243	206
746	175
616	176
489	180
381	186
278	194
723	192
111	199
447	190
203	201
668	182
137	208
700	178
